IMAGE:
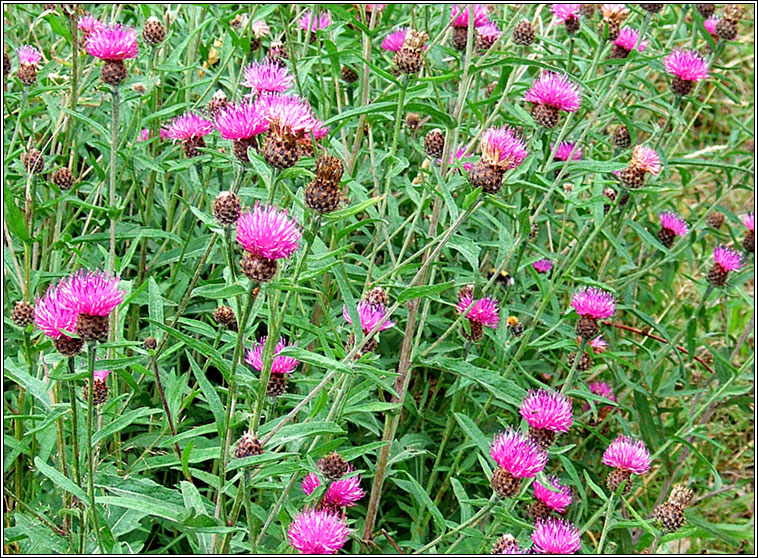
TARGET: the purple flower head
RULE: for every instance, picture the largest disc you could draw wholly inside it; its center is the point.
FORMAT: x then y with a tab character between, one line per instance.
627	454
460	15
565	12
598	345
281	364
710	26
189	126
646	159
728	259
502	148
286	113
593	302
343	493
687	65
94	293
320	130
518	455
87	24
557	501
565	149
28	55
603	390
489	32
113	42
267	77
101	375
542	266
51	314
459	154
310	483
749	221
310	23
241	121
485	310
555	90
628	38
394	41
547	410
317	532
260	28
556	536
268	232
146	134
370	315
673	222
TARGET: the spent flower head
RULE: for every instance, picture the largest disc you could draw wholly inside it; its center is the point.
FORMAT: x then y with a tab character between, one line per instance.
502	148
646	159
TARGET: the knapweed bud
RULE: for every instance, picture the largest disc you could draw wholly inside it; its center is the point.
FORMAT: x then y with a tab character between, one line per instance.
227	208
154	31
63	178
150	343
348	74
248	445
434	143
332	466
523	34
33	161
22	314
410	58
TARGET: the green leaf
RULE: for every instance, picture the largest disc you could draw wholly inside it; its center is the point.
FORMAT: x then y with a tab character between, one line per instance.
186	452
155	304
353	209
13	217
60	480
505	390
214	402
201	346
102	132
121	422
473	432
422	291
423	498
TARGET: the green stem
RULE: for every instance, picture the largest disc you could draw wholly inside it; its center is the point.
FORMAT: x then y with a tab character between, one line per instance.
574	367
606	524
91	351
472	521
166	409
112	180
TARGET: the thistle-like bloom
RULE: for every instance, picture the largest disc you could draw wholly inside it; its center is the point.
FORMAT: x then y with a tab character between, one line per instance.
687	65
556	536
603	390
542	266
557	501
113	42
370	315
310	23
517	454
146	134
728	259
488	33
189	126
617	12
672	222
460	15
594	303
342	493
646	160
241	121
749	221
28	55
547	410
628	38
267	77
287	113
52	315
484	311
101	375
260	29
281	364
565	149
94	293
394	41
555	90
502	148
710	26
87	24
317	532
565	12
598	345
459	154
628	454
268	232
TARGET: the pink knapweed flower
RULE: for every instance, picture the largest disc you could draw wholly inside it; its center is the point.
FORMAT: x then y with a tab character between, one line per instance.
556	536
628	454
565	149
317	532
484	311
710	26
52	315
687	65
628	38
564	12
594	303
342	493
517	454
749	221
281	364
394	41
267	77
673	222
370	315
459	154
614	11
28	55
189	126
260	29
555	90
488	33
87	24
603	390
310	23
113	42
268	232
728	259
542	266
646	159
598	345
94	293
286	113
146	134
557	501
502	148
547	410
241	121
101	375
460	15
